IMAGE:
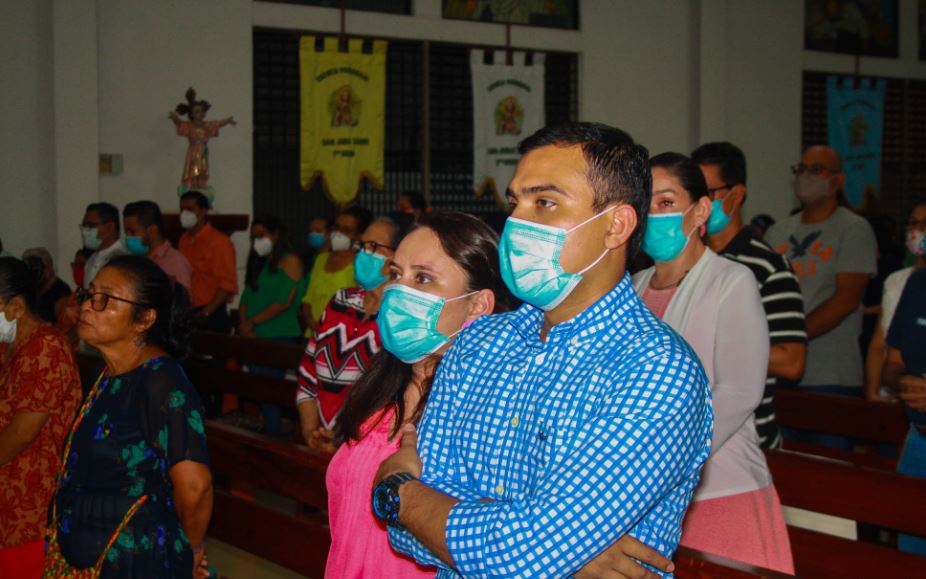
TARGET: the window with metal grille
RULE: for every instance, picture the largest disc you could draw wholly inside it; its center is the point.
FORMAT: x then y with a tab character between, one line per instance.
449	128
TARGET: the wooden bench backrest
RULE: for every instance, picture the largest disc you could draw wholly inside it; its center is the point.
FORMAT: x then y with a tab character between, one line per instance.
850	417
869	425
283	355
842	489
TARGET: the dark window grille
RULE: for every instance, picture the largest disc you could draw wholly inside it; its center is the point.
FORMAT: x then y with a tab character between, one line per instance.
276	128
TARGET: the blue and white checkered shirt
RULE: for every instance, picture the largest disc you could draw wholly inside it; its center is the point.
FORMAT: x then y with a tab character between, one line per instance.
598	431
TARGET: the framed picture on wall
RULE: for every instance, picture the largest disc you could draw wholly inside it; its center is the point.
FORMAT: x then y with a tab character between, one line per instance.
921	29
546	13
862	27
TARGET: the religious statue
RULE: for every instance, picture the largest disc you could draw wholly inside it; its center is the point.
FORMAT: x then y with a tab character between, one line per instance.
198	131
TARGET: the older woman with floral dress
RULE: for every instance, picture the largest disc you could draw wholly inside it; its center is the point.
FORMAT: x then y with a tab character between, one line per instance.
39	393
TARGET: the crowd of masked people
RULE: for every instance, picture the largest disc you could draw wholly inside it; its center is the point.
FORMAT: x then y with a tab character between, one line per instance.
575	396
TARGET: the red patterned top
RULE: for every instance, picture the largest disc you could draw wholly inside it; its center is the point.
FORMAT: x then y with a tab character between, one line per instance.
337	354
41	376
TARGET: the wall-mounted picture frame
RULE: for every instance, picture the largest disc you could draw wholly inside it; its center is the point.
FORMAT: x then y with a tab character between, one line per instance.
545	13
860	27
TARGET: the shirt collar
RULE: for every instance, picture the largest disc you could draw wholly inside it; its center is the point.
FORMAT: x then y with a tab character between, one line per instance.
528	320
162	250
739	240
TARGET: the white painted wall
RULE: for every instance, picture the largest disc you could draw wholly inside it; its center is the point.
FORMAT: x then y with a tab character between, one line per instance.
100	76
27	171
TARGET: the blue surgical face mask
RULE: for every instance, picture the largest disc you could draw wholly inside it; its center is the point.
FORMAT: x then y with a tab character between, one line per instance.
135	245
368	269
407	322
529	256
316	239
664	239
718	220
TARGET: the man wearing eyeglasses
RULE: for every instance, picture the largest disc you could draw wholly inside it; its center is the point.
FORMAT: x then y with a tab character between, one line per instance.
834	254
724	169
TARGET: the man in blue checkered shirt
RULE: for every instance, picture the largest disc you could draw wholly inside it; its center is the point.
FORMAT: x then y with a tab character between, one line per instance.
555	431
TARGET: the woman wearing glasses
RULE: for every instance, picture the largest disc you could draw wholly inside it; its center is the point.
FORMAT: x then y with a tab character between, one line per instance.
134	491
347	336
39	393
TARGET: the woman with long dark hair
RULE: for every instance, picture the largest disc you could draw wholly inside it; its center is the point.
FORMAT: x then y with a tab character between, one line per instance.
444	275
134	491
269	305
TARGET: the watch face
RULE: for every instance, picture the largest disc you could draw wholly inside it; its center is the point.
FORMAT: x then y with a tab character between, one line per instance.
381	502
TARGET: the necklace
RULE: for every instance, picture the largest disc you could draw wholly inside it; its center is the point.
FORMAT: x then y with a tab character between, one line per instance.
671	285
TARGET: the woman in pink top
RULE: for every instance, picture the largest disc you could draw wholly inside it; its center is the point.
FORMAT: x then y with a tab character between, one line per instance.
714	304
444	274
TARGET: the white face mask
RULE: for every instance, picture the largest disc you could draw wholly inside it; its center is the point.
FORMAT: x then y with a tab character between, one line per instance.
810	188
187	219
339	241
91	238
7	329
263	246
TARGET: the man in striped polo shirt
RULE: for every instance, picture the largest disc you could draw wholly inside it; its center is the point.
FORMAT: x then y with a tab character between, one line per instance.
724	168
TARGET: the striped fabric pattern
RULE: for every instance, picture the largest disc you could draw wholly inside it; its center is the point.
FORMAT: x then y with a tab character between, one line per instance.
784	310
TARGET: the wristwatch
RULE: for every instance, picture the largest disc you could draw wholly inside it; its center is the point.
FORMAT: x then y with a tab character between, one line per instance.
386	498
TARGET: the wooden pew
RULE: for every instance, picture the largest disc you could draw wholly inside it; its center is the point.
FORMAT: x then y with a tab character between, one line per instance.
244	462
868	424
209	368
863	494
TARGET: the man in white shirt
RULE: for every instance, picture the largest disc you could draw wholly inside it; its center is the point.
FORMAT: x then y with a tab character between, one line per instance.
100	233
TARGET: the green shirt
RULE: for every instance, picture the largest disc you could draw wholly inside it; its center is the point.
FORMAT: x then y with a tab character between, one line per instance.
274	288
324	284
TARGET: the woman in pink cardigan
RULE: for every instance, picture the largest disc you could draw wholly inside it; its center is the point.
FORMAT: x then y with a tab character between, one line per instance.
714	304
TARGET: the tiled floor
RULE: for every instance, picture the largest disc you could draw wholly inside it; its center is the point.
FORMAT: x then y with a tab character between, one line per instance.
233	563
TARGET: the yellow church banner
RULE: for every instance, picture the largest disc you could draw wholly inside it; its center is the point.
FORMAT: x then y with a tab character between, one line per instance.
343	116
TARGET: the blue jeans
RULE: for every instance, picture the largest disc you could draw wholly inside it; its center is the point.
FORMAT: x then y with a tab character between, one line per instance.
818	438
913	463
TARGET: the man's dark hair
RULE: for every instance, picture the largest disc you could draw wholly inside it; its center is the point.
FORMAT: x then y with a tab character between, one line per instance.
107	213
618	168
147	212
416	200
363	216
201	200
727	156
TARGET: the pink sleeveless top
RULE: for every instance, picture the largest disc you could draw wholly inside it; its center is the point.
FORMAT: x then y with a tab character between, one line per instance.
359	543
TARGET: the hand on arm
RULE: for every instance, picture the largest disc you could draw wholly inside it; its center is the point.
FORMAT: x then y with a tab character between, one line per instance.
874	363
193	501
619	561
24	428
850	288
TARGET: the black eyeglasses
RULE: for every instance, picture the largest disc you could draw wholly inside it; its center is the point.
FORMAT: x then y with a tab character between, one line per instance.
815	169
99	300
368	246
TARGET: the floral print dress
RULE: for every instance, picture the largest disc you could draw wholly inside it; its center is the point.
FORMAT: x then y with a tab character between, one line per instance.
143	423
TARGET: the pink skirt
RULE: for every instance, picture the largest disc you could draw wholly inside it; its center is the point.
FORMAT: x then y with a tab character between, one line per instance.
747	527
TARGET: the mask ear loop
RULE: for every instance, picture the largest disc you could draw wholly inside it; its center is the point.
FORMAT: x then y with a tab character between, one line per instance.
466	323
603	253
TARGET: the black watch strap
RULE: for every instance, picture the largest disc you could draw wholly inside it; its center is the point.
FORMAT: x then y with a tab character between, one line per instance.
386	498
